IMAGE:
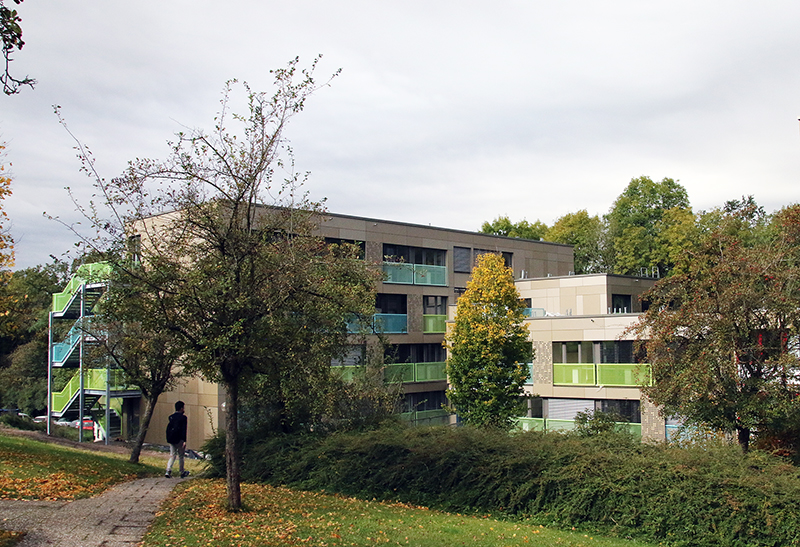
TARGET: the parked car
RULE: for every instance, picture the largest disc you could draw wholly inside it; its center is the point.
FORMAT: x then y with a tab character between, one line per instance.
40	419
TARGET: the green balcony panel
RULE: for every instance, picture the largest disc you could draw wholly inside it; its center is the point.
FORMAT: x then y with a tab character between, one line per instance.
345	372
394	374
430	275
623	374
530	424
399	272
428	372
434	324
390	323
560	425
574	374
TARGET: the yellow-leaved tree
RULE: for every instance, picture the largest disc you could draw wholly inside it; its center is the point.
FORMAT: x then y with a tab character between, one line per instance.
6	243
488	348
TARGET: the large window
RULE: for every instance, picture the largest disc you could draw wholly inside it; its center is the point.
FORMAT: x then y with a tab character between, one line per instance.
420	402
434	305
462	259
394	304
415	353
621	303
413	255
627	408
573	352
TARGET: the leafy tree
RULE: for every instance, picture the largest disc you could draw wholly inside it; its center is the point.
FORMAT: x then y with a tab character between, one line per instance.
635	224
23	335
488	347
11	32
586	234
502	226
132	338
6	242
722	332
254	297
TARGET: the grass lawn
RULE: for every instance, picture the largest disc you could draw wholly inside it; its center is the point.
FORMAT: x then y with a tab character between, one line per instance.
195	515
31	469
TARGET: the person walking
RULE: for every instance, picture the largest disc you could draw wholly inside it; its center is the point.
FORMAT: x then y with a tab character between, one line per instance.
176	437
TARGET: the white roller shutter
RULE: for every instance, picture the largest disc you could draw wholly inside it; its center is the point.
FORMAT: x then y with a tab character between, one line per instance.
566	409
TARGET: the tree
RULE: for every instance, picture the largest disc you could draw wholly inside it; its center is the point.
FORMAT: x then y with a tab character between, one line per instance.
12	40
6	242
502	226
132	338
252	294
488	348
722	334
635	222
27	296
586	234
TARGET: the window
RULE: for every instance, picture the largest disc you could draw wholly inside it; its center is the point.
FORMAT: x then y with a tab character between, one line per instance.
413	255
339	241
434	305
619	351
621	303
428	400
627	408
415	353
573	352
135	249
507	257
462	259
394	304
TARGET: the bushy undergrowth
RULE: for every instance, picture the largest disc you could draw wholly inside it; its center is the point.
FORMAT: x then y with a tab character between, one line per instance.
21	422
710	495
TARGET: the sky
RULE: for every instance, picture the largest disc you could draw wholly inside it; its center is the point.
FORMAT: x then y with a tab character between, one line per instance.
448	113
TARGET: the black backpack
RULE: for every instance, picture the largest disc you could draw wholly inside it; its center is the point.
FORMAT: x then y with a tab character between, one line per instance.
172	431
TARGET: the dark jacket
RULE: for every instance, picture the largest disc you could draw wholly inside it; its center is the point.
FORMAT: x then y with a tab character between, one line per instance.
177	427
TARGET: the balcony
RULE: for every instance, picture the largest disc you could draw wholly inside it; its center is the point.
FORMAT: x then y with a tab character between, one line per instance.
427	417
602	374
542	424
415	372
434	324
415	274
574	374
534	312
390	323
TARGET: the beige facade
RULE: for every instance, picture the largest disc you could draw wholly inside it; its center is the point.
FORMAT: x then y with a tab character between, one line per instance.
576	326
453	251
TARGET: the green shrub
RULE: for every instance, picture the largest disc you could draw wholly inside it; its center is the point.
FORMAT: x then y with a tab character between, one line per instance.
703	495
21	422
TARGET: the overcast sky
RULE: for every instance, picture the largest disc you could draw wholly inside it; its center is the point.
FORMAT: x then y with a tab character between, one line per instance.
446	113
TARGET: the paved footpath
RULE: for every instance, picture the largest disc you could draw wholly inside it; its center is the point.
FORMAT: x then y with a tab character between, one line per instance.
118	517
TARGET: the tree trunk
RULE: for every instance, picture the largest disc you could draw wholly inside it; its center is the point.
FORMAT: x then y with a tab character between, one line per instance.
144	425
232	445
743	436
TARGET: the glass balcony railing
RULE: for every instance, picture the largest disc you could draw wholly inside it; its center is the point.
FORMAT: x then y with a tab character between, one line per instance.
529	381
390	323
434	324
574	374
542	424
623	374
534	312
415	274
415	372
427	417
602	374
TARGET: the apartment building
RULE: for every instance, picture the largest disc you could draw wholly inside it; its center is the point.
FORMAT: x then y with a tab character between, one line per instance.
426	268
584	359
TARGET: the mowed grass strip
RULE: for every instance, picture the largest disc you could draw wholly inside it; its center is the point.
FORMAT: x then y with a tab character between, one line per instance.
31	469
276	516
